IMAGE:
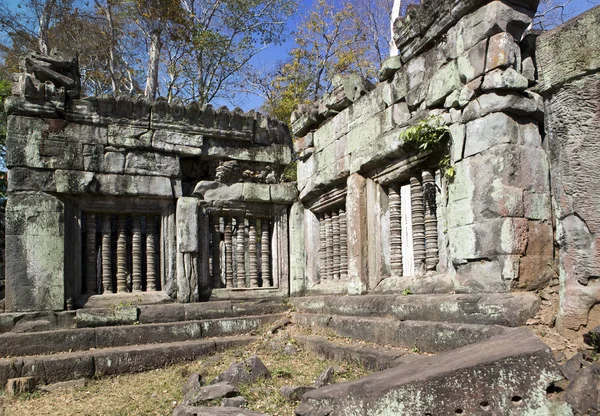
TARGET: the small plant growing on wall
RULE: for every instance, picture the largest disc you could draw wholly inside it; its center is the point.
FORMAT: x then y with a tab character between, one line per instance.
430	135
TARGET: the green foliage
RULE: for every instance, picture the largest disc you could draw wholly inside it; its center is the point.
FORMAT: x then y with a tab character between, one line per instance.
290	174
407	292
430	135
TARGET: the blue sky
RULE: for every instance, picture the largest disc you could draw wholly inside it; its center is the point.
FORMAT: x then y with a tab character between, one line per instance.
273	54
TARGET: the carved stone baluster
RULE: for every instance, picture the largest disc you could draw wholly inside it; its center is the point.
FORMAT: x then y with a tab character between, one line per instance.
252	260
431	239
418	222
121	254
106	255
322	248
216	252
90	254
240	252
265	254
328	246
343	245
136	255
395	210
228	254
150	255
335	228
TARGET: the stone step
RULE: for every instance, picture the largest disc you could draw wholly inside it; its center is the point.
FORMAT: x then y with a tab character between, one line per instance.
112	361
127	313
482	308
33	343
507	374
422	336
371	357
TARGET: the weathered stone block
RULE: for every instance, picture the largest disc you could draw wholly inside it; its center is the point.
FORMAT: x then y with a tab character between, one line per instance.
494	102
457	135
177	141
508	79
489	131
112	162
256	192
503	52
129	136
389	68
151	163
90	318
443	82
520	369
578	46
187	224
16	386
471	64
356	209
283	193
24	179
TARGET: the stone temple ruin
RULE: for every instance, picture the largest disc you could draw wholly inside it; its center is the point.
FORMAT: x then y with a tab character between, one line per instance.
163	207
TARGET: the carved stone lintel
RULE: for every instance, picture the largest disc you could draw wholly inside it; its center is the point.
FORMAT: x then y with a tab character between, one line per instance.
228	254
395	210
90	254
265	254
431	238
252	254
121	254
335	228
106	255
136	256
240	252
418	222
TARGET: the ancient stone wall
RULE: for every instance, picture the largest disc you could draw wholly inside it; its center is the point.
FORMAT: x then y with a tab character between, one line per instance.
466	65
104	193
569	68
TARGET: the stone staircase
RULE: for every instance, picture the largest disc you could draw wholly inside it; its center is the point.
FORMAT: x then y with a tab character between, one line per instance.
427	323
94	342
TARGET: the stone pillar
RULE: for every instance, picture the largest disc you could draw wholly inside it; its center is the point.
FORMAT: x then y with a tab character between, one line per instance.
265	255
328	246
35	252
136	255
121	254
216	252
188	239
304	244
240	252
150	255
356	210
90	255
343	245
106	255
335	228
228	254
168	253
252	263
418	223
429	205
395	208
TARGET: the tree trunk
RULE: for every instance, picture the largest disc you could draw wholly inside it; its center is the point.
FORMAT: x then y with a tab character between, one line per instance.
153	58
44	21
393	16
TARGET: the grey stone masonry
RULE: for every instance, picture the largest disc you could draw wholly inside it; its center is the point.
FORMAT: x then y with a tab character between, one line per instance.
105	193
478	205
570	86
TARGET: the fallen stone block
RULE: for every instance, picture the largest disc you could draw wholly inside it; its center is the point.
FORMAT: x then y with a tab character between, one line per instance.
246	372
237	401
208	393
213	411
294	393
507	374
16	386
